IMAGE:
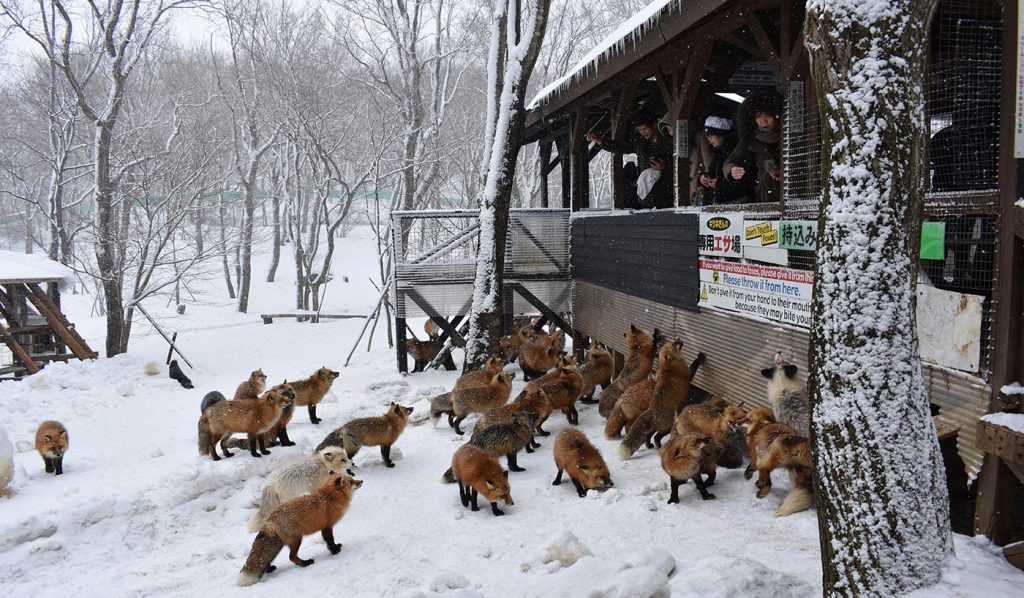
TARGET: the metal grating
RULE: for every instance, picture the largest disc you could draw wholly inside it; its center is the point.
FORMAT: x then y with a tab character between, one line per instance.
436	252
743	346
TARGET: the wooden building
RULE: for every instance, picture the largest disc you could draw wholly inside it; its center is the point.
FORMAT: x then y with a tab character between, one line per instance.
32	325
683	61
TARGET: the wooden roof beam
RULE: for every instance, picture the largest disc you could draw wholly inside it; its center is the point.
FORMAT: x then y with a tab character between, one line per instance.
768	50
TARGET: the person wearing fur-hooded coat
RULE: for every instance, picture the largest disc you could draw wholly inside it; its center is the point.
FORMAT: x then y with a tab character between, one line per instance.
757	156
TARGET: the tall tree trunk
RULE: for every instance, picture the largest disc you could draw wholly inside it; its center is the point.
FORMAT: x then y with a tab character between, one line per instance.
275	257
883	517
248	223
519	49
107	247
224	247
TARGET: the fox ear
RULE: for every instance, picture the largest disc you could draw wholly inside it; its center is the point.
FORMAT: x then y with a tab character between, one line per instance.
790	370
768	372
632	328
46	438
490	486
678	343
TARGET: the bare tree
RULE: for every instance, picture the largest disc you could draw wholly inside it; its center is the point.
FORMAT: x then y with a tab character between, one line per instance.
119	35
884	514
517	32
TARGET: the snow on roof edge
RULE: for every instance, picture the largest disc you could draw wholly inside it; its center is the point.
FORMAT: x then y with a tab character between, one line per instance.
34	266
629	32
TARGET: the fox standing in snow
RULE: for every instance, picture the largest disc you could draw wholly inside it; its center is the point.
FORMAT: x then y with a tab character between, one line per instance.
596	371
52	443
688	457
562	387
671	389
639	361
508	439
380	431
251	388
252	418
708	420
510	344
634	401
532	399
210	399
575	455
298	478
478	399
477	473
279	432
311	391
539	354
442	404
423	352
788	396
299	517
773	445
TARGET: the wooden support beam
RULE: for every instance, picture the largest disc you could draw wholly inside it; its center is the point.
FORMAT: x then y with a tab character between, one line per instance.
546	165
736	42
60	325
544	309
401	350
623	102
996	488
659	79
19	351
436	317
768	51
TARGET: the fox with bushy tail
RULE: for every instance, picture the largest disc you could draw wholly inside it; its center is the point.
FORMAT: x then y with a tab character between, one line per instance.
296	518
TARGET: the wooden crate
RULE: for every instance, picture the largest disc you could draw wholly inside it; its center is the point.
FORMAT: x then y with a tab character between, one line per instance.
1001	441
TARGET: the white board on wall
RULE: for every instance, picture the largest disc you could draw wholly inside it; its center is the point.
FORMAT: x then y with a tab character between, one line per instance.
949	328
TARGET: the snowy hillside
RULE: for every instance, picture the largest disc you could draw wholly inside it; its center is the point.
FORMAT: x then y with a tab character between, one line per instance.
139	513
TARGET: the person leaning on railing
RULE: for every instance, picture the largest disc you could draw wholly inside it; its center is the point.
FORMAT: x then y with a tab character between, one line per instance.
649	182
756	157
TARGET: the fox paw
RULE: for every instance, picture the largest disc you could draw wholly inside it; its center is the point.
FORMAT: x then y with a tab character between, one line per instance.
709	496
748	473
305	563
389	464
335	549
674	500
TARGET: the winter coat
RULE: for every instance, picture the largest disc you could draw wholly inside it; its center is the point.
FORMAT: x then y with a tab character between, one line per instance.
661	195
759	155
727	191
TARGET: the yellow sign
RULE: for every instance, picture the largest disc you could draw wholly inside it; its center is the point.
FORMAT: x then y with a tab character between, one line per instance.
753	232
770	237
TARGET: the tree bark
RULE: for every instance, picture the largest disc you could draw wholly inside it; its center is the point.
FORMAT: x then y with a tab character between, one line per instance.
519	51
883	507
248	223
224	248
275	257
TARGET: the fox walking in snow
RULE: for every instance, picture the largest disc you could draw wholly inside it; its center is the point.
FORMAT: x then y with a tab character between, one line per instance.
252	418
299	478
296	518
380	431
576	456
312	390
52	443
478	473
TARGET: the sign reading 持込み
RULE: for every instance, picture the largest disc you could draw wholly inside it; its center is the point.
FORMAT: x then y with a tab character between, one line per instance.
721	234
798	234
770	292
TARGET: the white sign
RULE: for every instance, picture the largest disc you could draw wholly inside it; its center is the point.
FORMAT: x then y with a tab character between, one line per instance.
777	294
949	328
721	234
761	242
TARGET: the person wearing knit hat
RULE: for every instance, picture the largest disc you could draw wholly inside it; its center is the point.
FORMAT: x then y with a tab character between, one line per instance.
714	188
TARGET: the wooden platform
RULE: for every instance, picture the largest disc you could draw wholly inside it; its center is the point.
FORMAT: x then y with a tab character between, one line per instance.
36	331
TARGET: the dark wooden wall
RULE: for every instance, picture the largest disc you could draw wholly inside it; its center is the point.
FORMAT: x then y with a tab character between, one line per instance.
651	255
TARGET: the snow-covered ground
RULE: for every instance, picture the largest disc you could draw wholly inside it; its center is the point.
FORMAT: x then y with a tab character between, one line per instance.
138	513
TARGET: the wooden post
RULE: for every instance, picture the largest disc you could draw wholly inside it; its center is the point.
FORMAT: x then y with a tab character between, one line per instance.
545	158
170	350
403	365
562	143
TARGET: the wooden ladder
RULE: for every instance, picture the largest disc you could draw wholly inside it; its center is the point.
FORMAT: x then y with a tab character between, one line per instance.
19	351
49	310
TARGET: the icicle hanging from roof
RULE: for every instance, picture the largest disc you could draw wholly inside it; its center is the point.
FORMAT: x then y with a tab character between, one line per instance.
629	33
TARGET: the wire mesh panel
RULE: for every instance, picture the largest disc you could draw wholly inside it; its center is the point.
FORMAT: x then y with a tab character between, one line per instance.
436	253
801	146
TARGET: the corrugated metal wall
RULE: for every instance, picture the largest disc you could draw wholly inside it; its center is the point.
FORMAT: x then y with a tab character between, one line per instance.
738	348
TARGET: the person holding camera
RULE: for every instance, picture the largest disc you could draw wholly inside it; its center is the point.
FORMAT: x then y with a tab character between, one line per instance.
648	183
756	159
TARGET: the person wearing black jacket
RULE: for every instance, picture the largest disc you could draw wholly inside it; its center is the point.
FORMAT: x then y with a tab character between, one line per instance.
649	183
714	187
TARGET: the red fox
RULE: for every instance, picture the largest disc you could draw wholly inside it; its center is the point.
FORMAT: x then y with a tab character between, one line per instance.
423	352
531	399
774	445
563	386
719	424
298	478
581	460
510	344
630	405
250	417
671	389
596	371
52	443
312	390
687	457
479	473
251	388
478	399
380	431
539	354
299	517
642	347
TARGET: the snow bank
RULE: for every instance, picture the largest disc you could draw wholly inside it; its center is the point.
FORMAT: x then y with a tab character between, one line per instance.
1012	389
1013	421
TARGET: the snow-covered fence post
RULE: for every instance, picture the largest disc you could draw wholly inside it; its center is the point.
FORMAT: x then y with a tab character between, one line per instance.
517	33
883	515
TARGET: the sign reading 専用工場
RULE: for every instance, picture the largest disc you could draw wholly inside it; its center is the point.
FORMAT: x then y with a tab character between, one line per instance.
774	293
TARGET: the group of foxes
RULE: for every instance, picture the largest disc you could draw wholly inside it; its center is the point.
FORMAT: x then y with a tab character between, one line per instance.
305	496
653	411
